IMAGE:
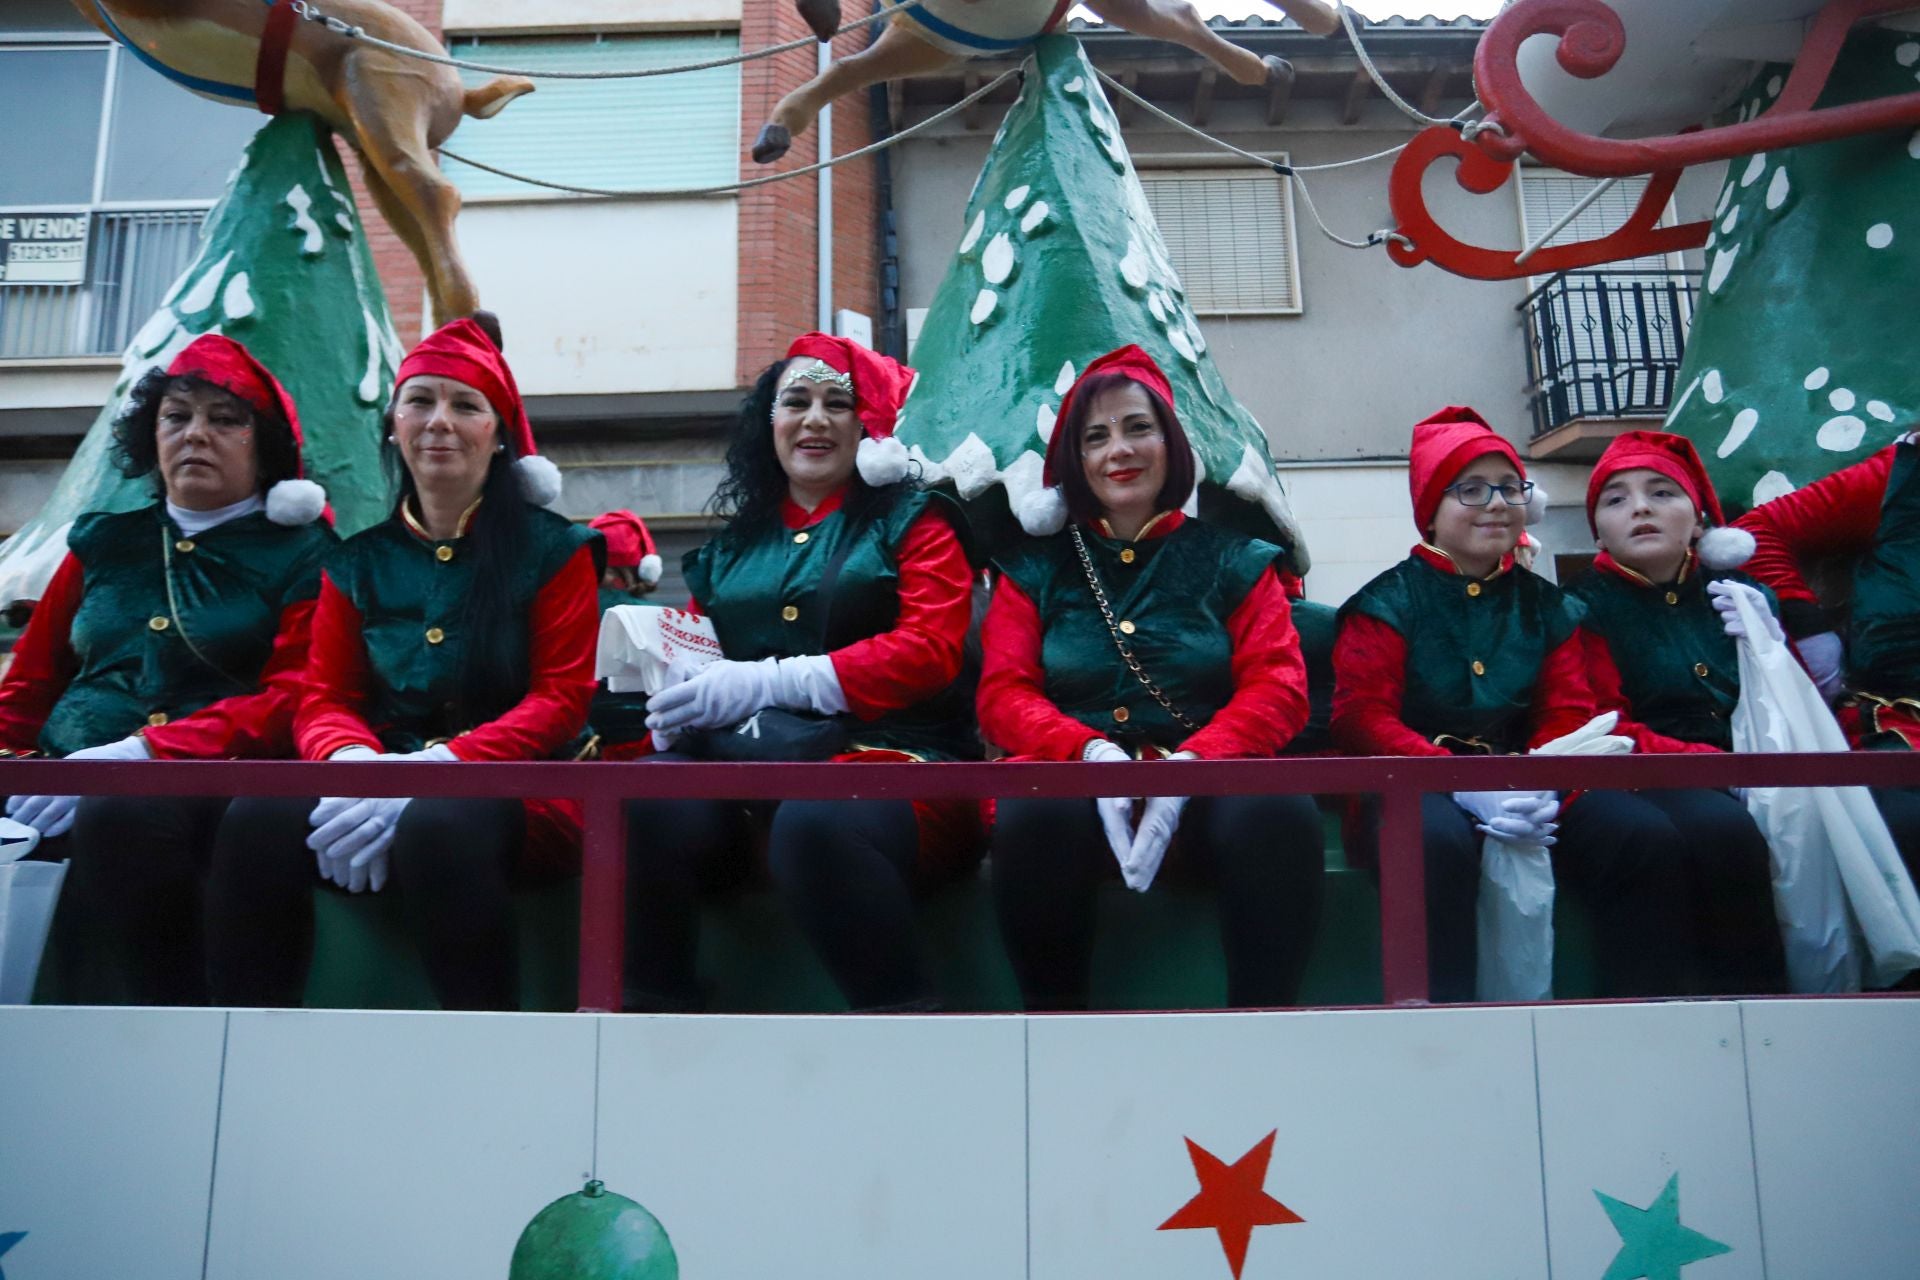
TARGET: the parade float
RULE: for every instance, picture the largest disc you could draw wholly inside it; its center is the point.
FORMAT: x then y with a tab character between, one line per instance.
1672	1141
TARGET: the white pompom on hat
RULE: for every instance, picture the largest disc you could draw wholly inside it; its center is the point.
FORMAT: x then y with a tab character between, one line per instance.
1725	547
296	502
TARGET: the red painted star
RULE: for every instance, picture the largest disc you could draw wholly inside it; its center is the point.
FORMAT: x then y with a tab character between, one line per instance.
1232	1200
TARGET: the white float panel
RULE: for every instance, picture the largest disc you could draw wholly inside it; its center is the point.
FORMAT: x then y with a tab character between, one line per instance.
844	1147
1631	1095
395	1144
1835	1089
1407	1141
106	1140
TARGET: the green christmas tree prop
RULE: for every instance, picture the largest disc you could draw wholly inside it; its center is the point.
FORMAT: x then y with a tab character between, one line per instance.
594	1234
284	268
1801	361
1061	261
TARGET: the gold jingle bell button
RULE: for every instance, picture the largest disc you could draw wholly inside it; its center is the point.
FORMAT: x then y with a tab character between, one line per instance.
183	546
158	622
789	614
157	719
1126	555
1122	715
1473	588
1127	627
435	635
1673	597
1479	667
1700	669
801	538
443	553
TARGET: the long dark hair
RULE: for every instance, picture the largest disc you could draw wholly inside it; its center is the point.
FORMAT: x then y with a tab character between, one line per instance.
748	497
1082	506
493	671
136	445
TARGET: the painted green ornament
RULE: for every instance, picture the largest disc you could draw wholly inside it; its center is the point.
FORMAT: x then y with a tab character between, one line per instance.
1800	361
1061	261
594	1234
284	268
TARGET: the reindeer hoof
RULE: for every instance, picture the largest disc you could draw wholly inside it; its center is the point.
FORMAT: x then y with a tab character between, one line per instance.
772	143
821	15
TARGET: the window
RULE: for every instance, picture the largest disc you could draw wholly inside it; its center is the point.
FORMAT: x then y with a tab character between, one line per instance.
659	133
1230	234
1547	194
103	137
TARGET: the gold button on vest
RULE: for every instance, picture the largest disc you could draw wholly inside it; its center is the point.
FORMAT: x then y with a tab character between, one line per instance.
443	554
800	538
789	614
1673	597
1700	669
1473	588
183	546
1122	714
1126	555
1479	667
1127	627
157	719
158	623
435	635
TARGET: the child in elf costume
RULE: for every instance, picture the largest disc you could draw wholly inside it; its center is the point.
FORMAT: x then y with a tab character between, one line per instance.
1454	650
1659	638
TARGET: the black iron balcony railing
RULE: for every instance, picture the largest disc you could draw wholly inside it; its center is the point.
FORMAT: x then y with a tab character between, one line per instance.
1606	344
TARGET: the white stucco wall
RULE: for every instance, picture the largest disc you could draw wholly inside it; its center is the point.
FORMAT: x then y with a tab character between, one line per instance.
613	296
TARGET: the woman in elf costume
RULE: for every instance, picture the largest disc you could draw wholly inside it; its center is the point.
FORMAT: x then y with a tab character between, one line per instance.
1140	633
1455	651
177	631
1869	511
1658	635
841	594
462	628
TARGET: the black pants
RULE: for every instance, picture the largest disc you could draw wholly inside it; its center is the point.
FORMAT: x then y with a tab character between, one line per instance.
450	863
1616	852
1264	855
132	899
845	868
1900	806
1736	934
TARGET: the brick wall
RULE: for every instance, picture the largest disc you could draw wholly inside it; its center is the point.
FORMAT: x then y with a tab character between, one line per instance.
399	273
778	222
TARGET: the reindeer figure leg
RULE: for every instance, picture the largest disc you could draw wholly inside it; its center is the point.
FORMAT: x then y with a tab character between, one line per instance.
416	198
1178	22
898	54
1317	16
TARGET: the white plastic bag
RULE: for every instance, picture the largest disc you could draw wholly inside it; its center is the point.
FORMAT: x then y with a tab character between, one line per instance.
28	893
639	643
1514	919
1833	857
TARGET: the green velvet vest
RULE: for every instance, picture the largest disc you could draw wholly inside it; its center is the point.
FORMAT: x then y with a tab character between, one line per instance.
1883	652
1678	669
1473	656
1176	592
763	595
1319	627
411	594
230	585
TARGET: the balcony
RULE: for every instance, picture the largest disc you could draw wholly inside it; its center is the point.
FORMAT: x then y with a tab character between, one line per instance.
1603	354
134	256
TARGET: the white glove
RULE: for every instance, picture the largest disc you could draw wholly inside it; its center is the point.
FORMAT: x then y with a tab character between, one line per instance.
1723	592
336	818
1513	817
1158	821
1594	738
53	815
725	693
1116	812
1823	655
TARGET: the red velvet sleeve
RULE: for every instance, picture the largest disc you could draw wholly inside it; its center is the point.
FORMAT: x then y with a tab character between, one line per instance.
1603	678
566	627
921	654
44	662
328	717
1837	515
1562	698
249	725
1015	713
1269	702
1369	681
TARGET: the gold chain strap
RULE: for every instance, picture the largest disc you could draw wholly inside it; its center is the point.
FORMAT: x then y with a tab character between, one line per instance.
1126	654
173	611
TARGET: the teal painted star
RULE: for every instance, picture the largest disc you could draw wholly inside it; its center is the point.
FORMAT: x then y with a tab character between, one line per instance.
8	1239
1653	1244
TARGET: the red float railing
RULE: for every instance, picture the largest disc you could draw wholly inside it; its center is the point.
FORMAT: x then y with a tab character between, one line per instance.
1399	782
